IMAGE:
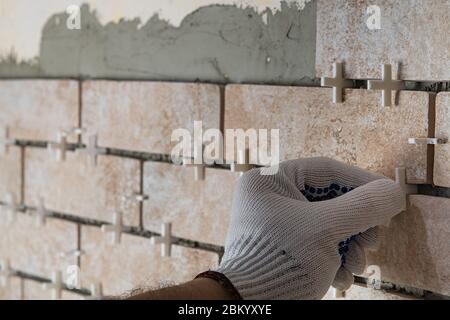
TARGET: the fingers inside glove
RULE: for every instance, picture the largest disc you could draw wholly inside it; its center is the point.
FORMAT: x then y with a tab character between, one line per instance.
366	207
370	239
354	260
326	173
343	279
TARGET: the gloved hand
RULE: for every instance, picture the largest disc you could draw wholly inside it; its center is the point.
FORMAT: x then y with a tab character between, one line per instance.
289	232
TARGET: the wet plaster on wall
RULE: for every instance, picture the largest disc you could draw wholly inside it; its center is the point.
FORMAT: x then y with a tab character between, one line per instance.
217	43
10	65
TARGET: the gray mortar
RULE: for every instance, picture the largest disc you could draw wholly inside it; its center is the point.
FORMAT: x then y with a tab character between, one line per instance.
218	43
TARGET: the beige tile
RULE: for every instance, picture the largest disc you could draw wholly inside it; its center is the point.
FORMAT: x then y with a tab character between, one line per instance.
39	109
76	187
361	293
135	263
10	173
414	251
37	250
198	210
141	116
442	151
359	131
412	35
13	291
35	291
68	295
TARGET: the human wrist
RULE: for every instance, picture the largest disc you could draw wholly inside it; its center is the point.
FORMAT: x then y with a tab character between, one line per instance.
261	270
219	284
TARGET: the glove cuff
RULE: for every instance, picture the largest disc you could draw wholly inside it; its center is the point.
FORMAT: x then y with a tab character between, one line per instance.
223	281
259	270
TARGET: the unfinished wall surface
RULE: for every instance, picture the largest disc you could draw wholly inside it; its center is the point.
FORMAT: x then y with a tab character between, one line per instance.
245	46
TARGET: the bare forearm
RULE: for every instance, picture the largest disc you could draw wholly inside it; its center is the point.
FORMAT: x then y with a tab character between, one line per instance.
199	289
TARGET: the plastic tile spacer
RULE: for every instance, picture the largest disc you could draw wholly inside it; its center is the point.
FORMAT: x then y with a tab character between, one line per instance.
6	273
60	147
56	285
387	85
199	169
338	294
96	290
92	150
138	197
5	140
116	228
41	213
165	240
408	189
13	207
243	164
428	141
338	83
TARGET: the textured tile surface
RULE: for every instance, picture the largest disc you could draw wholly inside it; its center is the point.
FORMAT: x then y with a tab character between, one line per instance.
10	173
34	291
415	249
198	210
39	109
37	250
442	151
362	293
343	36
135	263
141	116
359	131
76	187
13	292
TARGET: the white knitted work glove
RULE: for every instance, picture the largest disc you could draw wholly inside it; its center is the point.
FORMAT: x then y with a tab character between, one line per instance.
353	257
286	230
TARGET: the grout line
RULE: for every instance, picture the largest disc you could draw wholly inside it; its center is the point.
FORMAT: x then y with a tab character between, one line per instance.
141	191
136	231
80	108
222	109
393	288
22	174
79	244
443	85
431	134
136	155
22	289
360	281
36	278
426	189
30	143
434	191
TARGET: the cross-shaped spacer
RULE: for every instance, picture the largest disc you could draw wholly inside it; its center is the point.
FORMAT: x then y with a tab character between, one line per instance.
61	146
5	140
165	240
93	150
243	164
338	83
116	228
56	285
386	85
